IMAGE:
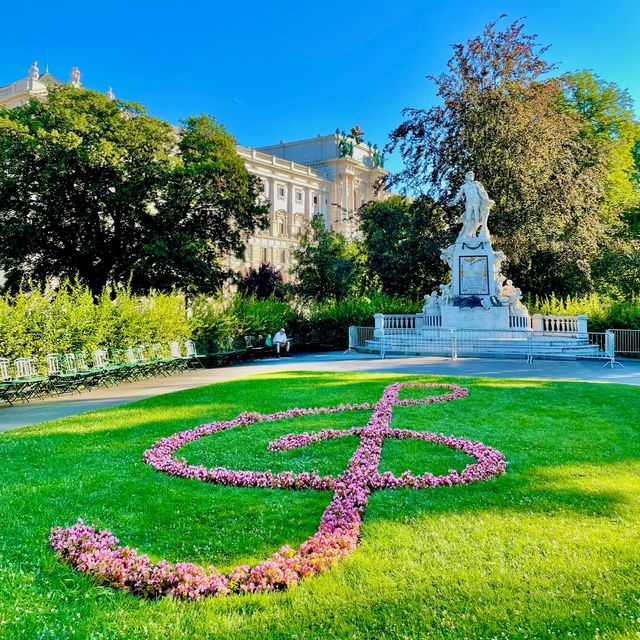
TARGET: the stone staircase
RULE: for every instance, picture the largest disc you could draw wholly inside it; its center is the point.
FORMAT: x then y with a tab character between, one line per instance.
478	344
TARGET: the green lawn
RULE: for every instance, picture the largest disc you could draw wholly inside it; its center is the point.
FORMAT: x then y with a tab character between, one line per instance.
549	550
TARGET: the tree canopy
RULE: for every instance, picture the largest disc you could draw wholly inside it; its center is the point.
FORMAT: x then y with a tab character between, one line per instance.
261	283
327	264
96	188
401	240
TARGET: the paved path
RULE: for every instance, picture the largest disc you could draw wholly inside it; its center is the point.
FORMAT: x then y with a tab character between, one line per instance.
59	407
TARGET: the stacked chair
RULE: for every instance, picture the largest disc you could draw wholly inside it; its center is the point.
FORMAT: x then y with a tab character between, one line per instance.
21	380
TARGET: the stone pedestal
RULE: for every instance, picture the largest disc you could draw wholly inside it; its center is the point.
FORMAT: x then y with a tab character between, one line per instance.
472	268
477	296
496	318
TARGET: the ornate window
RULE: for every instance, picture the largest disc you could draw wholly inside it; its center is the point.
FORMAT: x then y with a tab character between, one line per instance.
298	196
280	190
280	223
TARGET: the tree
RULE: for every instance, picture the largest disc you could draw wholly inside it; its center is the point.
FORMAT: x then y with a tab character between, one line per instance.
209	206
502	116
401	241
327	264
261	283
609	124
94	187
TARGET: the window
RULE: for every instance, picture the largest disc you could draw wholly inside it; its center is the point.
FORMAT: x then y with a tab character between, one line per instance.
315	200
283	256
265	255
281	192
281	227
298	196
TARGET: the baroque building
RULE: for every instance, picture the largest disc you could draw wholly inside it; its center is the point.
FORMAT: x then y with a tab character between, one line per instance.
332	175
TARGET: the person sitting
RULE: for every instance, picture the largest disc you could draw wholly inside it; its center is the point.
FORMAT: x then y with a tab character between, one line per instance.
280	340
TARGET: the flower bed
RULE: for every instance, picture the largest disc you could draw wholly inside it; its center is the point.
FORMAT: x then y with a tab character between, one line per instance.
99	554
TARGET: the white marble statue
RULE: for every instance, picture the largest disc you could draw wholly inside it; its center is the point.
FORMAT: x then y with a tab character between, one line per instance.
110	95
34	72
74	78
498	259
513	296
431	302
446	255
477	208
445	295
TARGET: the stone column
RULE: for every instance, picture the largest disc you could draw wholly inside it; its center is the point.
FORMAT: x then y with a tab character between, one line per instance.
272	195
582	327
291	193
536	323
378	323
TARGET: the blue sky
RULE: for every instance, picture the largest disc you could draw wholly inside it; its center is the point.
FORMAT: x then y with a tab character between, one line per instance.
291	70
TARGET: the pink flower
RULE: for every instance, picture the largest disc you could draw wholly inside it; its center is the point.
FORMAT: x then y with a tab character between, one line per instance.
98	553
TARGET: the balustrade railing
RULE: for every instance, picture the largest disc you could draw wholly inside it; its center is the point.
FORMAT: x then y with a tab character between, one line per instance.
518	322
430	321
400	321
560	324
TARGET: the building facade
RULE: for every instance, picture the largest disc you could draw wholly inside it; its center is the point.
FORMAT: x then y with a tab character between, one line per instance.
332	175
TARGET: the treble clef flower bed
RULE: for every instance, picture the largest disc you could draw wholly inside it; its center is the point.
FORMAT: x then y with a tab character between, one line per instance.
98	553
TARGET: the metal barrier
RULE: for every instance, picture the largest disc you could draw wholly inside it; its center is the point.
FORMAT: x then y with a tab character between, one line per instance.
606	343
627	341
358	337
436	341
494	342
452	343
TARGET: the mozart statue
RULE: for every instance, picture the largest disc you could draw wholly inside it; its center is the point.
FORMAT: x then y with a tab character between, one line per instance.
477	207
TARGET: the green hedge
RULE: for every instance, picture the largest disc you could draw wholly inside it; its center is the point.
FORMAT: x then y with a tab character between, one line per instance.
215	321
40	321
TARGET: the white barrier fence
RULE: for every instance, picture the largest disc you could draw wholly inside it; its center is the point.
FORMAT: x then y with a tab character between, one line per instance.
627	341
453	343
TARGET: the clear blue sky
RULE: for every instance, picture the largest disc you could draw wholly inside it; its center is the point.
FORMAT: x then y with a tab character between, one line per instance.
289	70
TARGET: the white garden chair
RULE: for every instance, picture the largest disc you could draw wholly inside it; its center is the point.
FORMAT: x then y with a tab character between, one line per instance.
28	382
7	387
193	357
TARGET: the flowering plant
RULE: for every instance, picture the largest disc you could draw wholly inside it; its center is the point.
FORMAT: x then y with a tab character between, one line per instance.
99	554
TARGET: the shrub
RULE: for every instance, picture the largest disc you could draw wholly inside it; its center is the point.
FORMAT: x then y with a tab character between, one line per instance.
38	321
604	312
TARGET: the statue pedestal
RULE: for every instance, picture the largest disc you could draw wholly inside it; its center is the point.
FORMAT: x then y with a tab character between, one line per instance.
472	268
496	318
477	297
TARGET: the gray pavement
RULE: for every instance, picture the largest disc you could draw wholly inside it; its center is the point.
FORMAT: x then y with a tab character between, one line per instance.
59	407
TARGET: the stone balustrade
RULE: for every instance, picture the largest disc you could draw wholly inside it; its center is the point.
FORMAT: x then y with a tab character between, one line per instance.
559	325
546	325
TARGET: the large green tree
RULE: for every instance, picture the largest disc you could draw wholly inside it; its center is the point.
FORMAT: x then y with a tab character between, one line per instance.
502	114
609	125
401	239
97	188
327	265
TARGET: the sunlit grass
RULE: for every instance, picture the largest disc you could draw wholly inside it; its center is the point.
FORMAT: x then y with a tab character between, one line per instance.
550	550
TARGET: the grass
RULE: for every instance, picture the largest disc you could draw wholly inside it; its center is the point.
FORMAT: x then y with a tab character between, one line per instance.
550	550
